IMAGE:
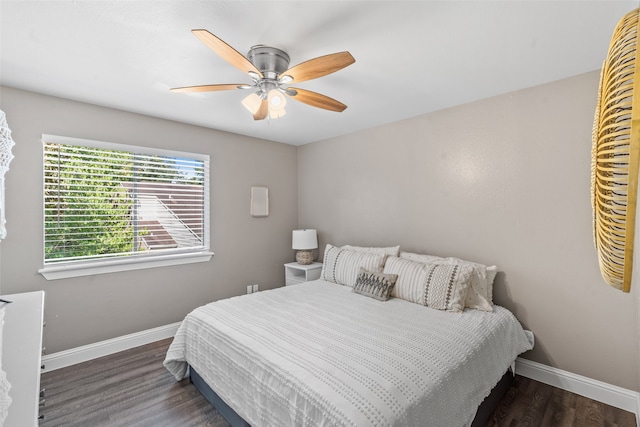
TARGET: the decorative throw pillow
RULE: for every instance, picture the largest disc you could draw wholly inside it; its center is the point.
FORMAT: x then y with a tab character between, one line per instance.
411	278
447	286
391	250
375	285
342	266
480	293
439	286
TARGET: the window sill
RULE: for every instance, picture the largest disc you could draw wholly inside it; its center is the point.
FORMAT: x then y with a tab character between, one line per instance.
56	272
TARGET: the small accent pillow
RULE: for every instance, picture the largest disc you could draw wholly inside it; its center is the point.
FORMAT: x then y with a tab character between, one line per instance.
342	266
375	285
439	286
391	250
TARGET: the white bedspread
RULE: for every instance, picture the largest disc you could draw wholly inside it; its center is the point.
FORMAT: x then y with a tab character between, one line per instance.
317	354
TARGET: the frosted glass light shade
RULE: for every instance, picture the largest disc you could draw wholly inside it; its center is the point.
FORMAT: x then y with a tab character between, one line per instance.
277	102
252	103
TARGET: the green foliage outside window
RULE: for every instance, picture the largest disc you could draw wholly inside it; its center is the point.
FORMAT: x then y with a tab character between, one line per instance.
89	198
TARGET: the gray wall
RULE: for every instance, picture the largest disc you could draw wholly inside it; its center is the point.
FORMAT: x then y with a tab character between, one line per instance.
88	309
502	181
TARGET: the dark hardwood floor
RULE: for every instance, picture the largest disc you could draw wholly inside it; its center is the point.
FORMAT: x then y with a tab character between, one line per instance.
132	388
531	403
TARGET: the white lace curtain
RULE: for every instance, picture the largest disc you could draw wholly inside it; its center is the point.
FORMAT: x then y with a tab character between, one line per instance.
6	143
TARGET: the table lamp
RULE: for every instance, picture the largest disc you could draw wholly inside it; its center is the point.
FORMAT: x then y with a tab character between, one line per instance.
304	242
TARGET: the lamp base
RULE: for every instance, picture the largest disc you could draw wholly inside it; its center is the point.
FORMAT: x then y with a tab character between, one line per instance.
304	257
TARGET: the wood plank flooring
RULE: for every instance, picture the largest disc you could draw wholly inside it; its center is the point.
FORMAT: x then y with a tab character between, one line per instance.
531	403
130	388
133	389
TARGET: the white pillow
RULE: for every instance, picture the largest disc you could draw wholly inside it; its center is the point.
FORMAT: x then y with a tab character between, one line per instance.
391	250
342	266
411	278
439	286
480	294
420	257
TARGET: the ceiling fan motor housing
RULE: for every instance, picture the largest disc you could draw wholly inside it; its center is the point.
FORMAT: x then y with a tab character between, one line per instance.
269	60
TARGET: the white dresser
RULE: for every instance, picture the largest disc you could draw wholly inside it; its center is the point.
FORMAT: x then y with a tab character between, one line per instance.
22	356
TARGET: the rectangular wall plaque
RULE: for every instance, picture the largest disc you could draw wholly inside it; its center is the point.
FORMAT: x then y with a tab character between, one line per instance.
259	202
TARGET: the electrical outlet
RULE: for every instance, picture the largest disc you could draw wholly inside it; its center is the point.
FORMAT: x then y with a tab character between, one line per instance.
255	288
249	289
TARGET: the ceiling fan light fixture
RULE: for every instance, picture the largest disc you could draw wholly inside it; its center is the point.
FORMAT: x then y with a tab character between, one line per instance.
268	68
276	99
277	102
252	103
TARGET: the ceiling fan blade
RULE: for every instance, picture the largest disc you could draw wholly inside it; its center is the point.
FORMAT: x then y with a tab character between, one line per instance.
320	66
262	112
226	52
317	100
207	88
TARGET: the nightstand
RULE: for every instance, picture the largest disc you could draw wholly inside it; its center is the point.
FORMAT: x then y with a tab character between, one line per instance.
295	273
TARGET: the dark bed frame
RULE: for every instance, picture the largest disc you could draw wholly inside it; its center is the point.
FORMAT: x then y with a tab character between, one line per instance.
486	408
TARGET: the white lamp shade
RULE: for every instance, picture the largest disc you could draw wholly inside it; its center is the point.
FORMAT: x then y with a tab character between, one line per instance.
304	239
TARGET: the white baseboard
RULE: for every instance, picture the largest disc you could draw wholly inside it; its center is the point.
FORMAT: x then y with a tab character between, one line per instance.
593	389
88	352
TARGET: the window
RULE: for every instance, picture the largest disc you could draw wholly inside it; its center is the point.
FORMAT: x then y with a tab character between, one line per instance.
109	207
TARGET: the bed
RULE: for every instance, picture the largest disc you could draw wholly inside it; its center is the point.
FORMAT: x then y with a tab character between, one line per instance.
320	354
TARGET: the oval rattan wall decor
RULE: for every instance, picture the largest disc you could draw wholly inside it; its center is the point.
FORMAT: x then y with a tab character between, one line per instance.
615	154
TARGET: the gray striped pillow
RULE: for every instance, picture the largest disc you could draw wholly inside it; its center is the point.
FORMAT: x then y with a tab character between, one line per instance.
342	266
439	286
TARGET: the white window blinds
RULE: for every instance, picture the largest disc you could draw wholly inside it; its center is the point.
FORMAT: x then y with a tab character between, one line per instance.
106	201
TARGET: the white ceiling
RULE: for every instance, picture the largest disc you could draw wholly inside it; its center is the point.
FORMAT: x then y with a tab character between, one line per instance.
412	57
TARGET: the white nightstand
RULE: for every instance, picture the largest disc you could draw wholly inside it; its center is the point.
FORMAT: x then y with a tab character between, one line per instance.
295	273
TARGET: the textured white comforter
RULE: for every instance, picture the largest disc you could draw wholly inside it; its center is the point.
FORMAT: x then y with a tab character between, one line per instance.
317	354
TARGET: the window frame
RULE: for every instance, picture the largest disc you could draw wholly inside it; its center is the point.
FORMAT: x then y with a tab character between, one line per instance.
76	268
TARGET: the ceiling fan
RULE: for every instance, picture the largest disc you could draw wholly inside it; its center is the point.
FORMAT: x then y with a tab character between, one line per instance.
268	68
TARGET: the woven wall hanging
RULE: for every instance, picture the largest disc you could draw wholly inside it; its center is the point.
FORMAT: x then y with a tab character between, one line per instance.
615	154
